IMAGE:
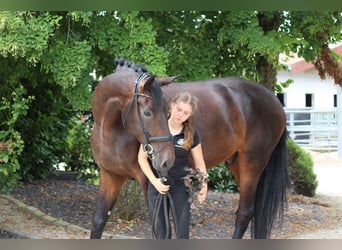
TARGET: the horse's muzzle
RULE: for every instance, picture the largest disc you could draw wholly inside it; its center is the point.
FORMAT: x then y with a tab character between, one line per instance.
165	167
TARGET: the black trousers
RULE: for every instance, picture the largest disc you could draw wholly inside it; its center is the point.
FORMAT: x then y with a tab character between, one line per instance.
180	196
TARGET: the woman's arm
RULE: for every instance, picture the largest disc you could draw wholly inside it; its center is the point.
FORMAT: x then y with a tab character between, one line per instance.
146	168
199	163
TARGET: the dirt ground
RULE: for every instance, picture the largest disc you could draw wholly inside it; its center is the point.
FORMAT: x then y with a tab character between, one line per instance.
319	217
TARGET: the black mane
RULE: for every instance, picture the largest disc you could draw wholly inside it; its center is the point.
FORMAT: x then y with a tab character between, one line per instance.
123	63
155	88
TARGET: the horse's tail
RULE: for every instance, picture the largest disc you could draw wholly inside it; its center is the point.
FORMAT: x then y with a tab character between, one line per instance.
271	198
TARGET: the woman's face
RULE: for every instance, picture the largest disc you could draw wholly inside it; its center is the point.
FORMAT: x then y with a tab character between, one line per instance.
180	112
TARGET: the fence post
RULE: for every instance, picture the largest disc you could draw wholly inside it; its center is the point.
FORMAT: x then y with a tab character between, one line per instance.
339	121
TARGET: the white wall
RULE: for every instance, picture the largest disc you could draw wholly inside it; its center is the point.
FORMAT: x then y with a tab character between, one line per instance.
308	82
339	121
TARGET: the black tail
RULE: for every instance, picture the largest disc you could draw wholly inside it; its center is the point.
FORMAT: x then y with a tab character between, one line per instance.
271	198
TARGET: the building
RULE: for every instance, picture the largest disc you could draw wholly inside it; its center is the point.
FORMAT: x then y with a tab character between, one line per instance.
311	105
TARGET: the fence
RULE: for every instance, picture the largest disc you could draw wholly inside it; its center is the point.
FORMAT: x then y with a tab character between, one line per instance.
313	129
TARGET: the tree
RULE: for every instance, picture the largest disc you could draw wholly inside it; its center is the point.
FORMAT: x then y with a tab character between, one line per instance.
206	44
314	32
211	44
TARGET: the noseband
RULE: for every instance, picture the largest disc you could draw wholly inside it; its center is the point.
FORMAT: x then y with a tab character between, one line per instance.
147	146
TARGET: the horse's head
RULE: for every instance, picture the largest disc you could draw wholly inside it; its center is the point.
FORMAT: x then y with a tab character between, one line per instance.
145	117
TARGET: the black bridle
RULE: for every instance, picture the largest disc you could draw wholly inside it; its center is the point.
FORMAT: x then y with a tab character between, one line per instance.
147	146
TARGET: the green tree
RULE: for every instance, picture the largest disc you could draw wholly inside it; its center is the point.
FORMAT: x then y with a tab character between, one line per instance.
206	44
313	33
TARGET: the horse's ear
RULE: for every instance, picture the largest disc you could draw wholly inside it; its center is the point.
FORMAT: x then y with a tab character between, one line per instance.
167	80
146	85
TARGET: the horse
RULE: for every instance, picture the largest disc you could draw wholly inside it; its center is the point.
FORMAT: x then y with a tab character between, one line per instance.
240	123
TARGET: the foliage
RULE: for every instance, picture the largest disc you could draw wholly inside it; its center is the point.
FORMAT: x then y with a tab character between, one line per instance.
79	156
304	180
129	202
207	44
190	42
26	34
11	143
44	129
125	34
315	32
221	179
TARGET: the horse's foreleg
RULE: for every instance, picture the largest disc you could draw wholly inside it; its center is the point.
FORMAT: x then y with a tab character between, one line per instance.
110	186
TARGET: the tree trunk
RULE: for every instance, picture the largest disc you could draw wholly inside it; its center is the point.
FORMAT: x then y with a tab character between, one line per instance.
268	21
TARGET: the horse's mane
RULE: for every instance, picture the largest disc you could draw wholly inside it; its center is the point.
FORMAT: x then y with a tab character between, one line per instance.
155	90
122	63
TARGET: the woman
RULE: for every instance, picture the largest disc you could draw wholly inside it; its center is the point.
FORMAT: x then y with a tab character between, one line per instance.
186	141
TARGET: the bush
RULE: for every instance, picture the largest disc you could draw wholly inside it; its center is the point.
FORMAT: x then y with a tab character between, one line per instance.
303	178
129	202
11	142
43	129
79	156
221	179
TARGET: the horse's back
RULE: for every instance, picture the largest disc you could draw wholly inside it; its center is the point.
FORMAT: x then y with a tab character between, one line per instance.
230	99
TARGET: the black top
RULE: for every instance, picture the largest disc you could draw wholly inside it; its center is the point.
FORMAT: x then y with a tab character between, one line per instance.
180	167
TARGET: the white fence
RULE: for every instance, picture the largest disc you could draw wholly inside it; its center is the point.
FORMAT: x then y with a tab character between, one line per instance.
313	129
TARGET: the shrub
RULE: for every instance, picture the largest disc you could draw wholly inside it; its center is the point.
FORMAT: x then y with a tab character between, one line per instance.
129	202
11	142
79	156
304	179
221	179
43	129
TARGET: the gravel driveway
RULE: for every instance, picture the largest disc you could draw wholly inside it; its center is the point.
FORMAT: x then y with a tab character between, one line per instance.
328	168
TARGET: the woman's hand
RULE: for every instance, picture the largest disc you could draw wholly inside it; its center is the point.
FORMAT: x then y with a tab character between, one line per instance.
202	194
158	183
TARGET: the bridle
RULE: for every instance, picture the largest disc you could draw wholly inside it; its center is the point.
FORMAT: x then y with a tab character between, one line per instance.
147	146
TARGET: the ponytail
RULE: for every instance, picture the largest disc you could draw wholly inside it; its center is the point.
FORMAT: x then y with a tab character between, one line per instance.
188	135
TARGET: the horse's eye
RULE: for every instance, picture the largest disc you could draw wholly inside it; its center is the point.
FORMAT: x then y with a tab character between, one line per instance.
147	113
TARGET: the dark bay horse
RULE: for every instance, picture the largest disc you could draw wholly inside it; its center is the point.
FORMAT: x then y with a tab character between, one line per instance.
240	123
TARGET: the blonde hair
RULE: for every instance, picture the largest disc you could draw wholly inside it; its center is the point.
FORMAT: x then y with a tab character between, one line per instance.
187	98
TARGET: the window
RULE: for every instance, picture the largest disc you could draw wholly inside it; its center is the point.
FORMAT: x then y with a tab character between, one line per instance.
335	101
281	98
309	100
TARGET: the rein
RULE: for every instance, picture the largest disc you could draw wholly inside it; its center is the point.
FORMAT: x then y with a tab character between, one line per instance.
163	199
147	146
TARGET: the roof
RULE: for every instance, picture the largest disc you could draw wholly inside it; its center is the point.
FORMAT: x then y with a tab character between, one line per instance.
297	65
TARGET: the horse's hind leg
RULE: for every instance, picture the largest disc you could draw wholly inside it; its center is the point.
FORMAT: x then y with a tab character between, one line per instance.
110	186
247	180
